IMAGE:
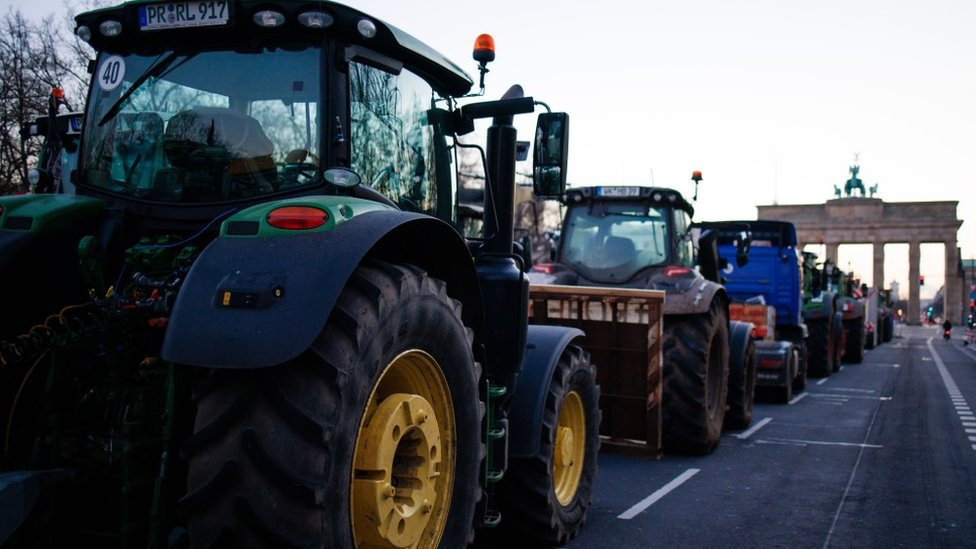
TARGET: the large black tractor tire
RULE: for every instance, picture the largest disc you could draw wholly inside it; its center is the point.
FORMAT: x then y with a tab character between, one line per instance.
837	347
371	437
742	388
802	364
696	372
854	352
818	348
545	497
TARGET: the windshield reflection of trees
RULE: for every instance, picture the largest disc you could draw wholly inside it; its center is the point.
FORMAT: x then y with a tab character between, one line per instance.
615	241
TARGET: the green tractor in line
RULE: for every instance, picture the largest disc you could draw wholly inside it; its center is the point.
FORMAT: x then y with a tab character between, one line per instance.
249	318
824	321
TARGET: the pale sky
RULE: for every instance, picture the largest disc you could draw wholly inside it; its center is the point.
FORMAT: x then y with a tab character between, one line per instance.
770	99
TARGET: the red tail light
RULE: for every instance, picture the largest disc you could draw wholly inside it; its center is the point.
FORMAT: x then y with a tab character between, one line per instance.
297	218
769	363
547	268
676	271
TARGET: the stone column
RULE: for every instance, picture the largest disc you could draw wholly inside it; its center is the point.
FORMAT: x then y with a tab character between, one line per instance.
879	273
911	315
952	295
832	252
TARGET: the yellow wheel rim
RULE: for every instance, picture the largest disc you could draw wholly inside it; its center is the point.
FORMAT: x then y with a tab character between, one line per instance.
403	465
569	450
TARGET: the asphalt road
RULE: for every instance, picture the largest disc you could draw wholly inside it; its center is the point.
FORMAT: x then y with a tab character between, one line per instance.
880	454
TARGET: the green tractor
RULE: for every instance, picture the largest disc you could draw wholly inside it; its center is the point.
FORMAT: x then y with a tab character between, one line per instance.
249	317
823	319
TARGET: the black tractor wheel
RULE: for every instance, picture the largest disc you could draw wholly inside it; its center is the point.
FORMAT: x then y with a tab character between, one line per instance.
696	371
371	437
889	328
546	497
854	352
742	388
818	348
802	363
839	339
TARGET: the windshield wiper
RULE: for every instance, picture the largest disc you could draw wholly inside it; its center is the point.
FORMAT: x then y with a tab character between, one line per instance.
154	70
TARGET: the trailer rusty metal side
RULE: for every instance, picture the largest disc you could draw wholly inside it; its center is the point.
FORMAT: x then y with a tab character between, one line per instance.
623	336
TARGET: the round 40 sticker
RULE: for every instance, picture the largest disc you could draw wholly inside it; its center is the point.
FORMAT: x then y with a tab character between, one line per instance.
111	72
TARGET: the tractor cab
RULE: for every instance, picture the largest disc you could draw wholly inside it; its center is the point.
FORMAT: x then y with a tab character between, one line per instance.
621	236
196	107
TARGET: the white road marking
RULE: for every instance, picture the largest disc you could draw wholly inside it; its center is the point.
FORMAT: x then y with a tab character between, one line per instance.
849	390
754	428
822	381
797	398
643	504
845	398
971	431
841	369
950	384
969	424
819	442
926	359
850	479
888	365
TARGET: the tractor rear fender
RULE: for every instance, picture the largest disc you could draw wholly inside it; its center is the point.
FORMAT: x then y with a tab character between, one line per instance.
545	344
823	307
253	302
697	298
739	335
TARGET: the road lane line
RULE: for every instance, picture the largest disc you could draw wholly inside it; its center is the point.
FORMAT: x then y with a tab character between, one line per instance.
969	424
797	398
971	431
850	479
643	504
822	381
965	414
754	428
849	390
819	442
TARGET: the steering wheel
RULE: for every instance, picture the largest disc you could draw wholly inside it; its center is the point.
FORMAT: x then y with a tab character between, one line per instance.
302	162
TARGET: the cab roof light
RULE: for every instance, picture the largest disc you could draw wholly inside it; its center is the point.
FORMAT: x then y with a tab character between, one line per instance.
297	218
84	33
366	28
315	19
110	28
269	19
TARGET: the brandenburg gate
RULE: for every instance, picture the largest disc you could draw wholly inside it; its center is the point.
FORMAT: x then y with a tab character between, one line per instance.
867	220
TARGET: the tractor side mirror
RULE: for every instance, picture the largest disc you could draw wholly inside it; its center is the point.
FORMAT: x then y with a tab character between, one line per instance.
550	154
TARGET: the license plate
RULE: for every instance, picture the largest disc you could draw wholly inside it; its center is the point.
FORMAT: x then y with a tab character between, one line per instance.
175	15
618	191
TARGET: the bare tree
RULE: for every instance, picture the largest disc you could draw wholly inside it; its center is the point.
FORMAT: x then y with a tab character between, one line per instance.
34	58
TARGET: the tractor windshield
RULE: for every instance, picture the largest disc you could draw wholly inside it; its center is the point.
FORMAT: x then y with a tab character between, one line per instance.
205	126
612	241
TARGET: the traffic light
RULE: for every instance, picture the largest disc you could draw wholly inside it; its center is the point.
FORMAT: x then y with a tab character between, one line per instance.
921	280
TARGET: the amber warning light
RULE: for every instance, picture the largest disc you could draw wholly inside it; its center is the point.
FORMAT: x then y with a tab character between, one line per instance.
484	49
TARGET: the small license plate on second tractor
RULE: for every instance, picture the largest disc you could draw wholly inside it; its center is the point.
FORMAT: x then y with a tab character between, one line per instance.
175	15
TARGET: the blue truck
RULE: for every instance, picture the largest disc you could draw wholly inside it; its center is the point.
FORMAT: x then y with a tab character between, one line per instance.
771	279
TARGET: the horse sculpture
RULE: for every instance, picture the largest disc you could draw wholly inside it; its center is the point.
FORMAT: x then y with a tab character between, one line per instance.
854	182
